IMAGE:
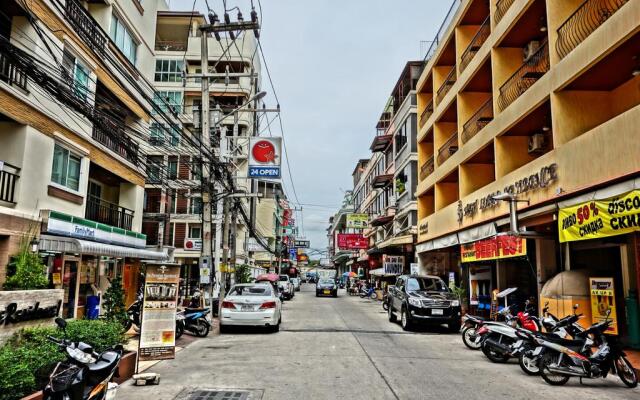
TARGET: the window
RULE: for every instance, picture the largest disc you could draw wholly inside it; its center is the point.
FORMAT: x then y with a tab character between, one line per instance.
196	206
173	201
77	75
123	39
154	168
66	168
195	232
172	169
169	70
157	133
168	101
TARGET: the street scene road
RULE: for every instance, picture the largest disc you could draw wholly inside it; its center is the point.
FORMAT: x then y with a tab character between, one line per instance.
345	348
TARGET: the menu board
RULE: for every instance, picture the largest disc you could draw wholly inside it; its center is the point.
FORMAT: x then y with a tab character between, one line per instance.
157	335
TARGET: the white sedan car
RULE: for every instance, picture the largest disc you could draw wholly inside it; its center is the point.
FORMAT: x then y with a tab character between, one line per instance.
251	304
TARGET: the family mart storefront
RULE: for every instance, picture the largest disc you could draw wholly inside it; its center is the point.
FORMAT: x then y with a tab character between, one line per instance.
83	256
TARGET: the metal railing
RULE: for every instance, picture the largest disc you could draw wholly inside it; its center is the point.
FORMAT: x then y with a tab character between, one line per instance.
448	148
586	19
476	43
431	50
529	72
116	140
12	74
9	175
447	84
102	211
479	120
171	45
428	111
427	168
86	26
502	6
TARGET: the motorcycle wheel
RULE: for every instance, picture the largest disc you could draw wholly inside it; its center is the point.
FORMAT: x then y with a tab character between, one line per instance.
493	355
626	372
528	364
385	306
202	329
468	335
179	330
550	377
128	325
373	296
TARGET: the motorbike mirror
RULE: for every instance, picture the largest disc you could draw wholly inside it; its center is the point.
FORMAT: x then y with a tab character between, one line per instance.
576	306
62	324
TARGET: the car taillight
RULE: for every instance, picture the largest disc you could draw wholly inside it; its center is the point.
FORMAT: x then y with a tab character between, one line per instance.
482	330
228	304
267	305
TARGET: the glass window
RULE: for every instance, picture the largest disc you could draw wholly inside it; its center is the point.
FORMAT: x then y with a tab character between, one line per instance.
157	133
172	169
123	39
66	168
166	100
169	70
261	290
154	168
429	284
195	232
196	206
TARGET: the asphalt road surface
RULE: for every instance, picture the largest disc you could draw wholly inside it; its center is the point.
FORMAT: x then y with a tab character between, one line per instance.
345	348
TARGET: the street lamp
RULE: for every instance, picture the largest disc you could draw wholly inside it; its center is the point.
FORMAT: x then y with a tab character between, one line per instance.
34	244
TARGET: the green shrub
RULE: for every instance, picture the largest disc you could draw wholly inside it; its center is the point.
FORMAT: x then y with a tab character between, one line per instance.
29	269
113	302
28	358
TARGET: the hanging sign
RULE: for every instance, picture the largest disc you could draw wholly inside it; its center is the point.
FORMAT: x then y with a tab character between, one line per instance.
497	247
602	300
600	218
357	221
265	157
157	334
352	241
392	265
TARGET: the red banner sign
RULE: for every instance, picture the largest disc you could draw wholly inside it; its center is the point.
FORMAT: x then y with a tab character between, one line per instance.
352	241
494	248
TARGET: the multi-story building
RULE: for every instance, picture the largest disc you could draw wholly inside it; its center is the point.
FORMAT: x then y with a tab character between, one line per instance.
538	101
74	104
339	254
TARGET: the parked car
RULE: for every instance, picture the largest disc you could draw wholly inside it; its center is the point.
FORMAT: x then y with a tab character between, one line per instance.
423	300
286	287
251	304
296	284
327	287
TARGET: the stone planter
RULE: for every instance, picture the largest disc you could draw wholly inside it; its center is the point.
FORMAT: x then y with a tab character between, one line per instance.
127	367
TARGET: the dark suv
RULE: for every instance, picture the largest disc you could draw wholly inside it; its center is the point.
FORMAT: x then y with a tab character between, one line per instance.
423	299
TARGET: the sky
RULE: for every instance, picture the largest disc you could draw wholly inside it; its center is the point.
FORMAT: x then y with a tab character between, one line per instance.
334	64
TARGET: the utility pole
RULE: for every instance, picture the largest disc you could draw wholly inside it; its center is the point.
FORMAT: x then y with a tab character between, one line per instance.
225	252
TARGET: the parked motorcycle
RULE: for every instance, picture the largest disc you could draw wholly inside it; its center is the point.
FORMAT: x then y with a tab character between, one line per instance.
133	313
85	375
368	293
193	320
565	359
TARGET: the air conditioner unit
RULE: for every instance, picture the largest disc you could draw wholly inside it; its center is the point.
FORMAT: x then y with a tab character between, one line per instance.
537	143
529	49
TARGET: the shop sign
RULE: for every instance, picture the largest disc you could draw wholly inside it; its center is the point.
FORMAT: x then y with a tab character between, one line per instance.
537	180
264	157
600	218
326	262
254	246
602	300
413	267
20	309
497	247
357	221
392	265
423	228
352	241
302	244
205	270
192	244
157	335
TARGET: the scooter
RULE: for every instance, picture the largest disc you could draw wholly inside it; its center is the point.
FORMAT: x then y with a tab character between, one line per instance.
133	313
368	293
85	375
194	320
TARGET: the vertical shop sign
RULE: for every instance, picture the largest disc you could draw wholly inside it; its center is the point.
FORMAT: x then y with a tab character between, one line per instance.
602	300
157	335
392	265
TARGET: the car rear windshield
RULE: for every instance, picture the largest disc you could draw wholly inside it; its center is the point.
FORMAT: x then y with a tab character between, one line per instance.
284	278
430	284
262	290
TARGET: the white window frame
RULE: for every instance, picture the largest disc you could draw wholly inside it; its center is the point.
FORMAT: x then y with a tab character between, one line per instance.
125	47
70	152
171	76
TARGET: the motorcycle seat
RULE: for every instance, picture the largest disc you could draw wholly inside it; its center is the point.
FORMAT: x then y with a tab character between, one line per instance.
562	341
193	310
106	362
475	317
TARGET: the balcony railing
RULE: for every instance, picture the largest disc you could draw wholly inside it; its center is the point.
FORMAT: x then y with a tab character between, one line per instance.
586	19
502	6
87	27
12	74
476	43
117	141
446	85
171	45
427	168
428	111
448	148
479	120
529	72
104	212
9	175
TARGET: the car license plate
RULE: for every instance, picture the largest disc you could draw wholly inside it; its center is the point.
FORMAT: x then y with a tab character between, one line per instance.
537	351
437	311
246	307
327	292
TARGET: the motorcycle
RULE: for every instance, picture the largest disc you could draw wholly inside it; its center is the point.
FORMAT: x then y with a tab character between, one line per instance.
385	302
133	313
565	359
470	325
193	320
85	375
368	293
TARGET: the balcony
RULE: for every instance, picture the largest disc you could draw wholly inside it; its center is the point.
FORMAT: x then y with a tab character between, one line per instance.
502	6
381	142
448	82
586	19
116	140
381	181
87	27
448	148
426	169
9	175
171	45
104	212
476	43
529	72
12	74
428	111
479	120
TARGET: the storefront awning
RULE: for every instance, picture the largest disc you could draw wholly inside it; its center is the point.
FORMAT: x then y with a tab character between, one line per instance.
71	245
379	272
439	243
397	241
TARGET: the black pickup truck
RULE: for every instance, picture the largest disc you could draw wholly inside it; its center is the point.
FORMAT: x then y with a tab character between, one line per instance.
423	300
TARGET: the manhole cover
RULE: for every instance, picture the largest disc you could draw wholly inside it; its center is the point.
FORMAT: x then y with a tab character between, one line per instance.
218	395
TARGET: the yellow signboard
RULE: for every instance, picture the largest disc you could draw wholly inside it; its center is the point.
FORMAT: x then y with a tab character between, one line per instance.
602	300
358	221
494	248
600	218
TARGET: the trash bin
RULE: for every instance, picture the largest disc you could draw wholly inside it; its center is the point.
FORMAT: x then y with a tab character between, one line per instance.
633	322
92	307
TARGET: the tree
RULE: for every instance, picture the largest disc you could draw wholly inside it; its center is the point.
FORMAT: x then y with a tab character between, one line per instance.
243	273
113	302
29	270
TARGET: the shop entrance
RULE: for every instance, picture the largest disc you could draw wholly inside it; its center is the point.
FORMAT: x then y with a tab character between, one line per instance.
70	287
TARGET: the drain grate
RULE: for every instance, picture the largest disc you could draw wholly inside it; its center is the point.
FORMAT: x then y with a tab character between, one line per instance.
218	395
